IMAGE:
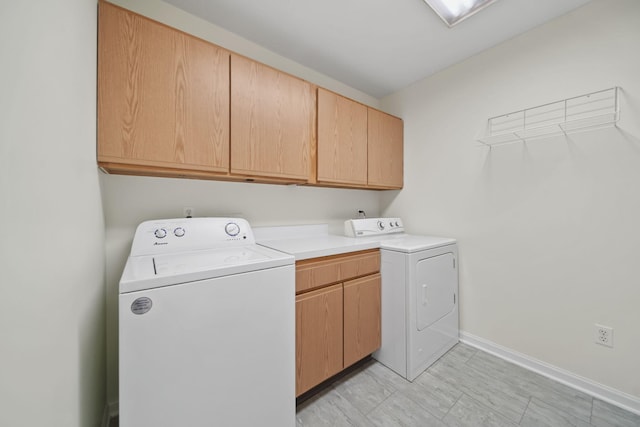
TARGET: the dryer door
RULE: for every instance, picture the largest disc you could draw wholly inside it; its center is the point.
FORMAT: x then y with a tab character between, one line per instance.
436	286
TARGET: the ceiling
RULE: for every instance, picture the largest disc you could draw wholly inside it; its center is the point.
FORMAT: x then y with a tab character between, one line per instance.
375	46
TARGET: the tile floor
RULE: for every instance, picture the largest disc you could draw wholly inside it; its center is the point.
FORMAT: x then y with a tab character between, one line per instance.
466	387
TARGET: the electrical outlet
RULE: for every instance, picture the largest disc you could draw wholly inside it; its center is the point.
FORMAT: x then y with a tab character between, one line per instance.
187	212
603	335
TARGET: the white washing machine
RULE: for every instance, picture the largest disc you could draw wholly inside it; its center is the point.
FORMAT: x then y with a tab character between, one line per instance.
419	294
207	327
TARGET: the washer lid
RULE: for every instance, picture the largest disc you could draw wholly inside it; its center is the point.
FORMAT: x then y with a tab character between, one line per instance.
154	271
413	243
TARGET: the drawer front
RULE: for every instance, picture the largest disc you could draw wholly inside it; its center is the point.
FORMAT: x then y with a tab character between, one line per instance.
316	275
360	265
318	272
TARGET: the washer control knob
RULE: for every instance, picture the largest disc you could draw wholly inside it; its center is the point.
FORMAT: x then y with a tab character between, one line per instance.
178	232
232	229
391	224
380	225
160	233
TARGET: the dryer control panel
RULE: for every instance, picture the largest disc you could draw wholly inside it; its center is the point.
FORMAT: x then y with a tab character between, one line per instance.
364	227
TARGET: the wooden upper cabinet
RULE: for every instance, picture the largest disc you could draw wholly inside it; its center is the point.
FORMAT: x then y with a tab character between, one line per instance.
385	150
170	104
342	140
163	96
272	122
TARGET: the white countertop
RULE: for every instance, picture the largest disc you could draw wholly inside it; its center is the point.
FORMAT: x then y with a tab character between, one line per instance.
313	247
310	241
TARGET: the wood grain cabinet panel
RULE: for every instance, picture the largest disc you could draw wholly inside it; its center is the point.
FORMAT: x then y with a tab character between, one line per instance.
342	140
360	264
318	272
163	96
170	104
272	122
385	153
361	318
312	275
337	324
319	341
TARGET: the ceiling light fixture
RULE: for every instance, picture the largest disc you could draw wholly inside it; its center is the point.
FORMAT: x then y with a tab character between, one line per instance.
454	11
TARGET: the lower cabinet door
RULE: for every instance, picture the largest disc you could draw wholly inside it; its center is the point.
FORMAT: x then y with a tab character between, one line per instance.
361	318
319	340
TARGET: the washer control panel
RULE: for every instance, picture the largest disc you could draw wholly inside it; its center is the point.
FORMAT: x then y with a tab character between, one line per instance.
186	234
364	227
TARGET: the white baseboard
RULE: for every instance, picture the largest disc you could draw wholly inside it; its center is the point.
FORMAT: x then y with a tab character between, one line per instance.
585	385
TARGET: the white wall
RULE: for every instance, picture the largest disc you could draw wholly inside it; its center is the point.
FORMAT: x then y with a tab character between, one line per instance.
52	294
548	231
131	200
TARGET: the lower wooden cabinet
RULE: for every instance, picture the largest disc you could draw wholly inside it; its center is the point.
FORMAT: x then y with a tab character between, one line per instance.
319	341
361	301
337	324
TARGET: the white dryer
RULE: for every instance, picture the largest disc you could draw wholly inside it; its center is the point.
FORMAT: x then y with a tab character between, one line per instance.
419	294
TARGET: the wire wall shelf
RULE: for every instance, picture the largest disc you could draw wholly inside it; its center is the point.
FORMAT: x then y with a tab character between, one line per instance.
591	111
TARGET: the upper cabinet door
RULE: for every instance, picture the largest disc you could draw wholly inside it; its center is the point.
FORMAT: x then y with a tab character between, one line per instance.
163	96
385	150
272	122
342	140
